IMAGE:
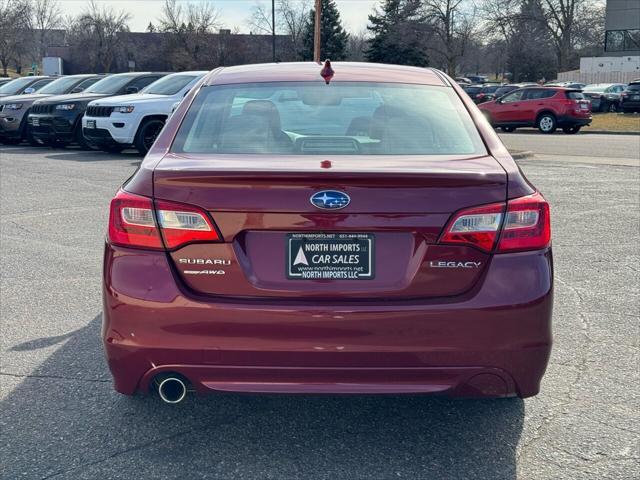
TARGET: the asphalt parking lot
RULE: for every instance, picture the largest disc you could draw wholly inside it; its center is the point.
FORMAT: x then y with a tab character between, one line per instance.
61	419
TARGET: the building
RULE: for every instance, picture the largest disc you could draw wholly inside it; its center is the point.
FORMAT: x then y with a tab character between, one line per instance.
621	60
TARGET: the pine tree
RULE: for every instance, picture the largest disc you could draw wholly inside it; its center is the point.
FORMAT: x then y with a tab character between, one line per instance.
333	38
399	33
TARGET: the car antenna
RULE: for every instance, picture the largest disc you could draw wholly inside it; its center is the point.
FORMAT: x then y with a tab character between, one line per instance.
327	72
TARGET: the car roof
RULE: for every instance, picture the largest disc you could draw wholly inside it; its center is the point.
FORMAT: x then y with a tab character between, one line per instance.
310	71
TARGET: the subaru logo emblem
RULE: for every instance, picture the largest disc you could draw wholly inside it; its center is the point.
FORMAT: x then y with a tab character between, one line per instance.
330	200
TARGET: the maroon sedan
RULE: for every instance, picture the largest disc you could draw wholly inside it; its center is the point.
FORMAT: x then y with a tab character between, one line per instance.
363	233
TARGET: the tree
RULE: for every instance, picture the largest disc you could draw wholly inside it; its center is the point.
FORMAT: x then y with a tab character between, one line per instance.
291	20
453	22
563	19
98	31
14	24
399	34
530	56
333	38
190	26
46	17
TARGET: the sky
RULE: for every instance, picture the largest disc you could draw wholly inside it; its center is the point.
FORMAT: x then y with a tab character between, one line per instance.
233	13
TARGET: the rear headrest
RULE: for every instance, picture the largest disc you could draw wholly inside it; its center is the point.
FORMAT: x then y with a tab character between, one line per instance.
264	109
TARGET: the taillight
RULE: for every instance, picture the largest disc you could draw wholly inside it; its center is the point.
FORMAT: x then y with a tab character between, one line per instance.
475	226
181	224
134	223
524	226
527	225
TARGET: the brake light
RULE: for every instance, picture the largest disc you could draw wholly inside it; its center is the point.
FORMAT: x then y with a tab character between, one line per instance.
525	225
133	222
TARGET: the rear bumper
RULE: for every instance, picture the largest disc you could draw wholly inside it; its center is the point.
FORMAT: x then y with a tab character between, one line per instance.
493	341
569	121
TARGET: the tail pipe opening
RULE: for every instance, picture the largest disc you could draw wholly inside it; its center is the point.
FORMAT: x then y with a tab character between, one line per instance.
171	388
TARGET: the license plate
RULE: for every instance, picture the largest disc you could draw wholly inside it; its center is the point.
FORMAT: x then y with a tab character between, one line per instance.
584	106
35	121
330	256
91	124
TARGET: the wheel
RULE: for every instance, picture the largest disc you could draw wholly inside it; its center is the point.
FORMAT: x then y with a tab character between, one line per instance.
571	130
547	123
147	134
612	107
508	129
10	141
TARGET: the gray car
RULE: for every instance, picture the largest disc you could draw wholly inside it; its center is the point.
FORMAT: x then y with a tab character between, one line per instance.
14	109
604	97
21	85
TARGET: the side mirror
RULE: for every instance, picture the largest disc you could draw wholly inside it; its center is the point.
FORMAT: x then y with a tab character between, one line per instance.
28	90
130	90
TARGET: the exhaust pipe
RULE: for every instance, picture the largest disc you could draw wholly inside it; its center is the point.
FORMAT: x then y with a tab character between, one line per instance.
172	389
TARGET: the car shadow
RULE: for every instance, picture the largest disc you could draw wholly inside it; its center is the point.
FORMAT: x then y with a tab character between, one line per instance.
64	419
74	154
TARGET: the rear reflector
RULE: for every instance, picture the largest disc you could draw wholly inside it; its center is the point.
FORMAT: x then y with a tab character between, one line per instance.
132	223
524	226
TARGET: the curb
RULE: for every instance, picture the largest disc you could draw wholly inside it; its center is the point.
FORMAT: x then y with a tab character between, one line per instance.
521	154
606	132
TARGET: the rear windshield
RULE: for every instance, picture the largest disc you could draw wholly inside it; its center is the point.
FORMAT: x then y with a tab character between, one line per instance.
490	89
110	85
169	85
472	90
633	87
338	119
575	95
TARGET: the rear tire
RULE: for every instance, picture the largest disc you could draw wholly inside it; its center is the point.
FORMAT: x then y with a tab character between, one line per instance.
571	130
508	129
613	108
147	134
10	141
547	123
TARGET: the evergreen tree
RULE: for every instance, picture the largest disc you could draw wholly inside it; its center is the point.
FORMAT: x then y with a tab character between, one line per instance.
399	34
530	55
333	38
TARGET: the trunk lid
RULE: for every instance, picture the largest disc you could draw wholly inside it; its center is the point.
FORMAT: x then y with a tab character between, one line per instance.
259	202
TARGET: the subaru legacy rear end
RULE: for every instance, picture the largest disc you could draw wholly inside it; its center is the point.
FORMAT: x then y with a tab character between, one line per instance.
364	231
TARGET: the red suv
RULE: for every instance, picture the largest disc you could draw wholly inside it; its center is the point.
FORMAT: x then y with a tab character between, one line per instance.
544	108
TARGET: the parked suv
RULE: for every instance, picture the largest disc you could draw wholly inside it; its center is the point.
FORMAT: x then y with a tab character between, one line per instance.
14	110
115	123
630	98
604	97
543	107
57	120
22	85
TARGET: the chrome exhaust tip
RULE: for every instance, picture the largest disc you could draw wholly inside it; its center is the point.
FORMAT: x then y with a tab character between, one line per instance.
172	390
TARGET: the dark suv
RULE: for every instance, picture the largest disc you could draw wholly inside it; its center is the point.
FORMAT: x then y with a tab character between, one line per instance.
58	120
630	98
